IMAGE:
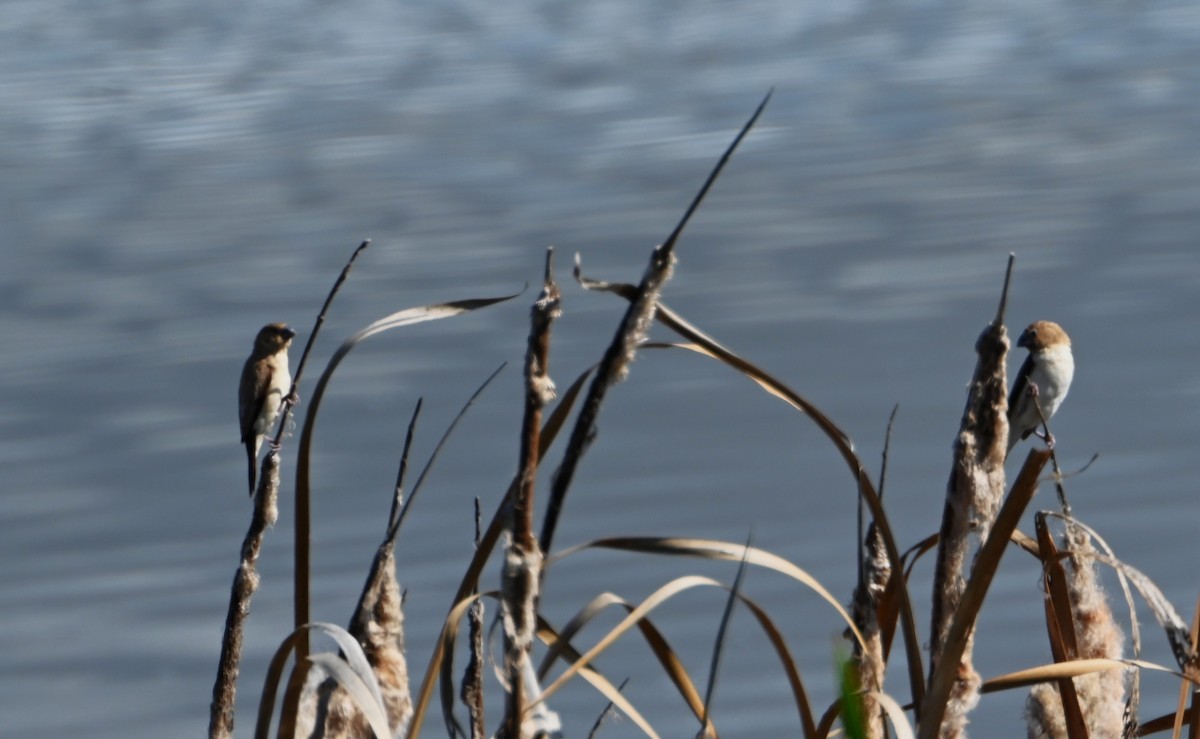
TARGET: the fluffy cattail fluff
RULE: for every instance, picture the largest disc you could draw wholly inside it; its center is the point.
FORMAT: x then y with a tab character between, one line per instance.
1101	694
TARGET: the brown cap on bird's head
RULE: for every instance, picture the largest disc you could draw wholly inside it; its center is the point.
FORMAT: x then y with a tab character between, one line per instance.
273	337
1041	334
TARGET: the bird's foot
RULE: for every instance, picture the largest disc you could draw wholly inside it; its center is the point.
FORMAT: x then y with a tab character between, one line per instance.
1046	437
293	399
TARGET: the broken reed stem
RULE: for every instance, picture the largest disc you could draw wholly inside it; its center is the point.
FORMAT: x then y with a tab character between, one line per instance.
522	566
245	582
973	495
633	328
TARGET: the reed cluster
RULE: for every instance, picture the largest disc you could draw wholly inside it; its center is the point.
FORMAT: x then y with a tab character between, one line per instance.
1090	687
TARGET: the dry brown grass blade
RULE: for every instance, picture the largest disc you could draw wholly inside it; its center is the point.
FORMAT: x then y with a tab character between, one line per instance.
982	571
560	644
447	638
1075	668
406	317
658	644
1135	638
1060	626
1176	629
647	606
301	545
637	615
670	661
487	543
707	346
715	549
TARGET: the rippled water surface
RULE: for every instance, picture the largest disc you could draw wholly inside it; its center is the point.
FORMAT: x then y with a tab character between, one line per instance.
177	174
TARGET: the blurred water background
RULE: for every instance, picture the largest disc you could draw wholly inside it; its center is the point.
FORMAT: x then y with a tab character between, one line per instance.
177	173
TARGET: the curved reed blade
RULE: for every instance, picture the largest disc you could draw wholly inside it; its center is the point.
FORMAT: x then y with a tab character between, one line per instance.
406	317
551	638
303	526
1060	670
703	344
714	549
353	661
1060	626
358	690
560	646
647	606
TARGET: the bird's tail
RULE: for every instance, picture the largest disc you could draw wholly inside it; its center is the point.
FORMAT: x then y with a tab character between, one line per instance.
251	455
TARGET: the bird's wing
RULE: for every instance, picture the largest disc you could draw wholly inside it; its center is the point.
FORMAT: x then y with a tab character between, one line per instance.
1019	386
256	376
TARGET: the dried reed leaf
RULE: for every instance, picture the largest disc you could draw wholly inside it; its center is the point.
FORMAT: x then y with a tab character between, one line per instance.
647	606
707	346
1175	628
1060	626
406	317
561	646
1059	670
714	549
360	691
551	638
671	662
895	714
1135	637
637	615
354	659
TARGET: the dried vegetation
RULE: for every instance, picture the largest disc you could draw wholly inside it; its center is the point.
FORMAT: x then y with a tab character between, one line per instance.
1088	688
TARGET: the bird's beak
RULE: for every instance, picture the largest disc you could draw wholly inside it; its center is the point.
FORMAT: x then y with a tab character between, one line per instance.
1026	340
289	334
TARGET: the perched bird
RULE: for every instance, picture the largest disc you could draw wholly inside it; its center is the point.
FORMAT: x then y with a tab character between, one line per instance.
265	382
1049	369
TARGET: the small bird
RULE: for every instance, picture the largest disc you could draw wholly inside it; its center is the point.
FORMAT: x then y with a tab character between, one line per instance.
265	382
1049	369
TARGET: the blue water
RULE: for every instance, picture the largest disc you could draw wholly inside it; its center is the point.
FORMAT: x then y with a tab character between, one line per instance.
177	174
